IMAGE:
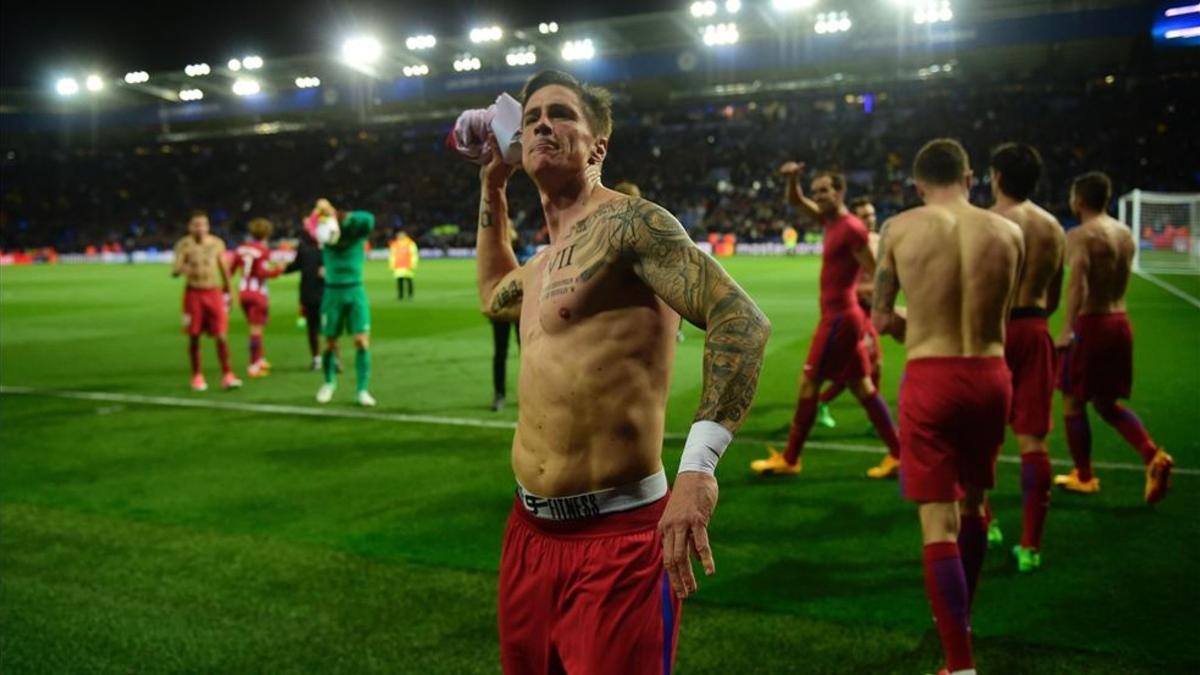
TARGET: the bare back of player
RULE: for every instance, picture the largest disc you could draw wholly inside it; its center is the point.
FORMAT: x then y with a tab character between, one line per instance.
1101	249
1044	246
958	266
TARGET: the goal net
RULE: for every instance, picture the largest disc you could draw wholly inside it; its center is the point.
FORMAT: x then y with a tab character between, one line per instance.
1166	228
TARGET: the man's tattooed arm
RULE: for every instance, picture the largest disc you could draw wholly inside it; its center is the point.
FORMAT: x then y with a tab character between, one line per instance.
504	303
887	286
693	284
496	269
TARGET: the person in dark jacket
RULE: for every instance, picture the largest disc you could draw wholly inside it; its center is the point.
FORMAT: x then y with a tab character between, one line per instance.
312	288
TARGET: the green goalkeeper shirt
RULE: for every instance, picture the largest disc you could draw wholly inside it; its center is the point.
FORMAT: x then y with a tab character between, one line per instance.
344	260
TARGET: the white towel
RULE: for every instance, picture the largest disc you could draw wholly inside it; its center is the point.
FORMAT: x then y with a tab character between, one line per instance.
503	118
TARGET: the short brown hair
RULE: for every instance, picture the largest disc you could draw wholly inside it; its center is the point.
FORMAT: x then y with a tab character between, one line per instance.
197	213
838	179
942	161
260	228
859	202
1094	189
596	101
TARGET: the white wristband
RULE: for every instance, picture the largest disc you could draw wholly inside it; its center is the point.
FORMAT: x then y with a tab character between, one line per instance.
706	442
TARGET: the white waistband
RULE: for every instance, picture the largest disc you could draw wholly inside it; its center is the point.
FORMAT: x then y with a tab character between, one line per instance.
591	504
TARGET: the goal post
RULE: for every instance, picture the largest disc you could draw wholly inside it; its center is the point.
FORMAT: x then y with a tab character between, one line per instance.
1166	228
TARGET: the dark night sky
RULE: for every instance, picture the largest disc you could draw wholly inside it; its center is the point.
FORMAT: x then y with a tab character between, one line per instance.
40	40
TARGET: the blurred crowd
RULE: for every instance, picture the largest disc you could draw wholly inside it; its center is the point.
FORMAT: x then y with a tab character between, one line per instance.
712	164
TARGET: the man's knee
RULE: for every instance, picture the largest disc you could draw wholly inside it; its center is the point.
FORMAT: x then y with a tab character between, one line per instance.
1030	444
939	521
362	341
862	389
808	386
974	502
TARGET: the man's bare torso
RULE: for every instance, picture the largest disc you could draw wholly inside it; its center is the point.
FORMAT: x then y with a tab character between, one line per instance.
1107	246
1044	245
957	265
597	347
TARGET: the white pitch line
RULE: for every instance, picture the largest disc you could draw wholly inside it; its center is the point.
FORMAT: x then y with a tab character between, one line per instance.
1170	288
348	413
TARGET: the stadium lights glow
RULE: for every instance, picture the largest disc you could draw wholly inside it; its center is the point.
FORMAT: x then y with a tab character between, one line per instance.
308	82
190	95
548	28
703	8
197	70
246	87
252	62
733	6
932	11
486	34
234	65
1183	9
420	70
791	5
137	77
832	22
94	83
1194	31
417	42
361	50
521	56
578	50
66	86
466	62
719	34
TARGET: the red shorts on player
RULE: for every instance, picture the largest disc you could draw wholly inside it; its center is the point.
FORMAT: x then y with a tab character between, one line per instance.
587	595
1029	352
837	352
1099	363
952	417
255	307
204	312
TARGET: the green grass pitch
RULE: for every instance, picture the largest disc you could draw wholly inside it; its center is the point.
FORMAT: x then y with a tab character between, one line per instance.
144	537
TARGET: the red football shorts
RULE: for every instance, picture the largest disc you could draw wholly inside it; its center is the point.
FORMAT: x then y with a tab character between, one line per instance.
837	352
952	416
587	596
204	312
1099	363
1029	353
255	307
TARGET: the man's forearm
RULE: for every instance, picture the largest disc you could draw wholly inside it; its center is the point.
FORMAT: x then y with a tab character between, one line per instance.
796	198
735	342
493	250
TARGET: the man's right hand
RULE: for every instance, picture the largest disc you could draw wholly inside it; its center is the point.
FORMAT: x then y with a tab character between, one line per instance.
494	172
791	168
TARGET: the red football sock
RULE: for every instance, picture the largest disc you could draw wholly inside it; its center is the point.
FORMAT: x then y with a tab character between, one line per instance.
1079	440
223	355
972	546
802	421
1035	494
832	392
1129	426
256	348
946	586
194	353
881	417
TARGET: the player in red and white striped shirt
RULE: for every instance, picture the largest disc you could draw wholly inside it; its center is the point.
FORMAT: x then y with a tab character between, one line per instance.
253	258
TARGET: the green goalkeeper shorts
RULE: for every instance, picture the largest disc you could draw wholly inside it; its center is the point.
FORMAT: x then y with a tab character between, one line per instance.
345	310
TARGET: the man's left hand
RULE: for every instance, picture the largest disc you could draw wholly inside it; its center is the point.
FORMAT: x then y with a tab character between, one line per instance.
684	529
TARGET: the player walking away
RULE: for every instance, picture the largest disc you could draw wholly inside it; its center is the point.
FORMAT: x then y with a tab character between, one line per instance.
253	258
790	238
200	257
1028	347
1098	364
403	257
837	352
309	263
958	266
344	306
501	329
594	546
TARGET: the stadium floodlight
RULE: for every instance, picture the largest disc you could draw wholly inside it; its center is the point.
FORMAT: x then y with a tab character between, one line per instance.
197	70
733	6
548	28
791	5
578	50
486	34
252	62
234	65
1182	10
419	70
418	42
137	77
720	34
521	56
308	82
1192	32
188	95
703	8
932	11
94	83
246	87
832	22
466	62
66	86
362	50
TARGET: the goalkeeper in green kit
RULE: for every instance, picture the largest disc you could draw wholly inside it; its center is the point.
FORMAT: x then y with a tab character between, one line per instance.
342	236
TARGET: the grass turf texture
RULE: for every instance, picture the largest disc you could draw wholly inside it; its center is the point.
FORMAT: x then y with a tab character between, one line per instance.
147	538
